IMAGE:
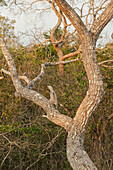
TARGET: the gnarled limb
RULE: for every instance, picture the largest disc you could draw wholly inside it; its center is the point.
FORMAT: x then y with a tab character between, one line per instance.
72	16
43	66
76	154
53	97
20	77
102	20
52	114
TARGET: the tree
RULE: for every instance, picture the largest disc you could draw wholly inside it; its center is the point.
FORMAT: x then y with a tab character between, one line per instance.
2	3
7	30
75	127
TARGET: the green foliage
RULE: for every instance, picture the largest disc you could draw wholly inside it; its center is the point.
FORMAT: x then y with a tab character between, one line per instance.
7	29
21	120
3	3
58	33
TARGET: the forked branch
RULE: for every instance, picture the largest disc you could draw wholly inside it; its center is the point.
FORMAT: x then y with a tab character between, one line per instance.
43	66
104	18
52	114
4	72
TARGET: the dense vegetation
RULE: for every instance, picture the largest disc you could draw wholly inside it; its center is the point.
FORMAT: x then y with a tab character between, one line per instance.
38	142
29	140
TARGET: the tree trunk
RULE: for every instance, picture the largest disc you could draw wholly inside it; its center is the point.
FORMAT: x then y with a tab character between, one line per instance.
78	158
76	127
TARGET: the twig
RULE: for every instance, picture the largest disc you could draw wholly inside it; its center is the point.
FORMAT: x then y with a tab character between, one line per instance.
106	61
6	156
31	83
105	124
10	147
46	148
21	77
65	109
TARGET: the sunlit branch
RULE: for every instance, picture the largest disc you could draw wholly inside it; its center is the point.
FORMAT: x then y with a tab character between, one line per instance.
52	37
43	66
72	54
21	77
106	61
103	19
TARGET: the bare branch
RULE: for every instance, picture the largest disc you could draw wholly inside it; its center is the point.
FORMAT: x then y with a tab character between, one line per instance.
72	54
6	156
88	14
107	66
10	147
106	61
11	64
65	27
35	80
52	114
31	83
48	146
68	35
102	20
101	6
110	117
72	16
21	77
65	109
53	39
83	7
46	40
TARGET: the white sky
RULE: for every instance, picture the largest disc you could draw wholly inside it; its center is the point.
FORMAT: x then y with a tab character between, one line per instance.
26	21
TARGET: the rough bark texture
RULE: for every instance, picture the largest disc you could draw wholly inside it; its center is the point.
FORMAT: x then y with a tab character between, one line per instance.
52	114
76	154
77	157
76	127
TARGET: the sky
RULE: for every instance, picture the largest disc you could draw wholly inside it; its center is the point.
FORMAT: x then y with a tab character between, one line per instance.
27	21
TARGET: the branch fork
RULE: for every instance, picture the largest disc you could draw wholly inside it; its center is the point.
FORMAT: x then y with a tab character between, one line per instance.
26	92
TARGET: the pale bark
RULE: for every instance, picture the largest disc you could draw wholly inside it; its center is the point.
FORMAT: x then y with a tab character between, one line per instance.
76	154
52	114
72	16
77	157
102	20
76	127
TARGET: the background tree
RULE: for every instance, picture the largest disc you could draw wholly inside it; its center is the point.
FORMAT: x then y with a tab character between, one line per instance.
88	10
2	2
7	30
76	126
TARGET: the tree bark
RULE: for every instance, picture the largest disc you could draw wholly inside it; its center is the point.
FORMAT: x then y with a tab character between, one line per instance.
60	55
77	157
76	127
76	154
